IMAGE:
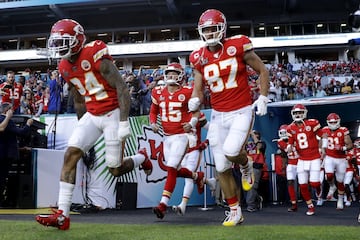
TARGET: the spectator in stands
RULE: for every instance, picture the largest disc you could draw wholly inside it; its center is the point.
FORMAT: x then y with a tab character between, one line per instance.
9	150
320	92
54	105
11	92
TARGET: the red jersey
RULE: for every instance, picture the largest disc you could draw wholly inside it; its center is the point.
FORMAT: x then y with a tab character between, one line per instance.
12	94
225	73
85	75
172	107
303	137
292	156
354	153
336	140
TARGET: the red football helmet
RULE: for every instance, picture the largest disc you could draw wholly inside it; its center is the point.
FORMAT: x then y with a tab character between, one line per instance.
357	143
214	21
298	112
172	79
66	39
333	121
282	132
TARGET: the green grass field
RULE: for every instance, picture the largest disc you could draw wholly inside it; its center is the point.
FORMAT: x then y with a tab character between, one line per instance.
27	230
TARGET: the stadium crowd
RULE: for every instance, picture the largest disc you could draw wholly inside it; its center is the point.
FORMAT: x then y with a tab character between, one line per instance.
287	82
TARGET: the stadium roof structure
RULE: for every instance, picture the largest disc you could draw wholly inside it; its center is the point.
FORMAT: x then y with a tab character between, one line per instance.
21	18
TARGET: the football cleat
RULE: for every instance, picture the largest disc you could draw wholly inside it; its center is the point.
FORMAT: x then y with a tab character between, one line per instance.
293	208
247	177
320	202
179	210
330	195
340	202
146	164
57	219
233	217
160	210
200	182
311	210
211	182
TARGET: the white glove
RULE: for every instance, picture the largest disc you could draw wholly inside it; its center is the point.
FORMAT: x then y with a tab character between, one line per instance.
194	104
124	130
261	104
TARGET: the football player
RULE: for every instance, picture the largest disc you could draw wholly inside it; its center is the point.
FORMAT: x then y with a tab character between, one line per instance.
102	104
338	142
220	66
291	165
11	91
191	161
171	103
303	136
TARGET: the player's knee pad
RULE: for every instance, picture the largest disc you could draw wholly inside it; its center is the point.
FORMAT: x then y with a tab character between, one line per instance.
329	176
112	154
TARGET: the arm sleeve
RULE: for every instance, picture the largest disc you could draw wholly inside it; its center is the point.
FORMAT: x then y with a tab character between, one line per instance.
154	110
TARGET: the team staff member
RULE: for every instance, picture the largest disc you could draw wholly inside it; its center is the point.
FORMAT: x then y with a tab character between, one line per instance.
9	149
221	66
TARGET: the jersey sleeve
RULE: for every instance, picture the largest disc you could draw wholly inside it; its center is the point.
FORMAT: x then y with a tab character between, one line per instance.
99	51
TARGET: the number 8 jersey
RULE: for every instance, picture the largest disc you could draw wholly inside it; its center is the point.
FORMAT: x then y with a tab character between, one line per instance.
84	74
225	73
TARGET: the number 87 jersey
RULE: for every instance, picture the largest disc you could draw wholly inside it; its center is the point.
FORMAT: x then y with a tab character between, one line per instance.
225	73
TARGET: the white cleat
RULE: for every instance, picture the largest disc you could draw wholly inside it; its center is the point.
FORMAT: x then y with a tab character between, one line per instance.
211	182
320	202
233	218
340	203
179	210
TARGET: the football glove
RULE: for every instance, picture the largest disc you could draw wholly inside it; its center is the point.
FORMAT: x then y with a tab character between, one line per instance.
261	105
194	104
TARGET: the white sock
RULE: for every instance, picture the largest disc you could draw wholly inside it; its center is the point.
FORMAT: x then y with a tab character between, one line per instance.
188	187
65	197
138	159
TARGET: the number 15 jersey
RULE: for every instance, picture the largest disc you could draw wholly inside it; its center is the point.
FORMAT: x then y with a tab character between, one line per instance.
172	107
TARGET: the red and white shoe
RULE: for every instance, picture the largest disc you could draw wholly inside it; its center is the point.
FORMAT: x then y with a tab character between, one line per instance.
311	210
146	164
57	219
160	210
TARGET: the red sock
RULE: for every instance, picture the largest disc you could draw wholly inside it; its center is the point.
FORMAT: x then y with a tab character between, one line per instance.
292	194
304	189
170	180
184	172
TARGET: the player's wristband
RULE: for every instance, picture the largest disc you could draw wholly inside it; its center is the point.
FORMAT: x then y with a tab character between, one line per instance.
324	142
344	148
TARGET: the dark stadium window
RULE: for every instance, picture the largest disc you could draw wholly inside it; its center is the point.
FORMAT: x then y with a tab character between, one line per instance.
296	29
309	29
